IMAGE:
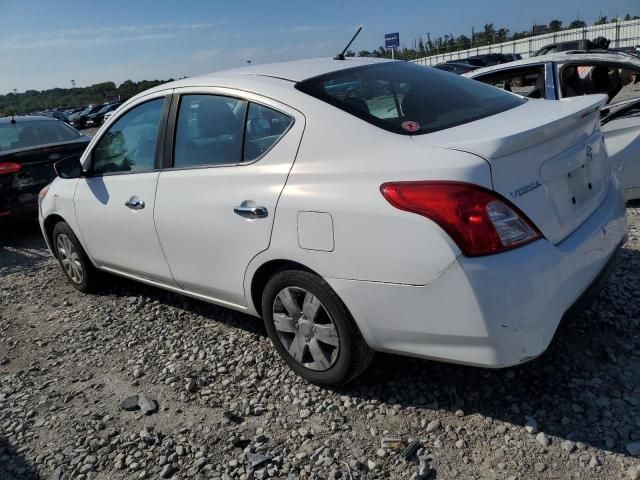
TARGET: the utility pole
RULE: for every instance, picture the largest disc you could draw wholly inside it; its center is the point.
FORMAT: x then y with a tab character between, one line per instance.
73	84
472	35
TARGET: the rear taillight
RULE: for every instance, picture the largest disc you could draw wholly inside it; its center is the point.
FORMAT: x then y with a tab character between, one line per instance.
42	194
9	167
480	221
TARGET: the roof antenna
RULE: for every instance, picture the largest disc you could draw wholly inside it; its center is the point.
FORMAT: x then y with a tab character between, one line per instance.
340	56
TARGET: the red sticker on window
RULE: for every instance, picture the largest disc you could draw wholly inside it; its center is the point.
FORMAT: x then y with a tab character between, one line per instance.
410	126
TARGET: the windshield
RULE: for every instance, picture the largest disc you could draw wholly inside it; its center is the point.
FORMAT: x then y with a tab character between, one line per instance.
409	99
33	133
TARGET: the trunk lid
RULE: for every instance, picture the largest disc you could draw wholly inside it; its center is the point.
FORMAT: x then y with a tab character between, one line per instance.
547	157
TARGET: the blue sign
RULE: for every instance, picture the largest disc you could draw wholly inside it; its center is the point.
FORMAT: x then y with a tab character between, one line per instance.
392	40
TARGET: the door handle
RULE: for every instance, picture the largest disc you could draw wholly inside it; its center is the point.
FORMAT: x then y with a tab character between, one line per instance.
248	211
134	203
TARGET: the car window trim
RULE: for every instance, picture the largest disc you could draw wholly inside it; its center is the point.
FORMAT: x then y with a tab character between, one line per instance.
549	83
157	164
169	154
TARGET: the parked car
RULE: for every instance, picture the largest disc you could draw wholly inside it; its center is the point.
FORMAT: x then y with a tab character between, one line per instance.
79	120
56	114
413	211
29	146
108	115
96	119
569	74
456	67
488	59
581	45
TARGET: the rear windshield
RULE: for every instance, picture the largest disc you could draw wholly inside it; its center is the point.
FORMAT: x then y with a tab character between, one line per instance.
410	99
34	132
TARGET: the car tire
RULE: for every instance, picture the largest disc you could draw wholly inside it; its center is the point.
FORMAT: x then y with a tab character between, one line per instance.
73	259
326	349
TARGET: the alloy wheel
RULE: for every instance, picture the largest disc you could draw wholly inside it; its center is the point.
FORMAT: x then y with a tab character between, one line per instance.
305	328
70	259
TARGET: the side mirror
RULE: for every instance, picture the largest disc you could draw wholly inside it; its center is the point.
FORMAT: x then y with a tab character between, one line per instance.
69	167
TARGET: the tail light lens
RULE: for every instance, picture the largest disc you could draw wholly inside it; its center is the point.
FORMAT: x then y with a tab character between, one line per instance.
480	221
9	167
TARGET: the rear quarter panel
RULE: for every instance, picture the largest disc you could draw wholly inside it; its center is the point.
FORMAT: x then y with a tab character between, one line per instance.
341	164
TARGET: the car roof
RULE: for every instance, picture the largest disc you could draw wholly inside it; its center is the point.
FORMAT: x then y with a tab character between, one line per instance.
291	72
27	118
563	57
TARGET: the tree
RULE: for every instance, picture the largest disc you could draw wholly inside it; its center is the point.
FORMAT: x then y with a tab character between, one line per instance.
555	25
601	21
627	17
577	24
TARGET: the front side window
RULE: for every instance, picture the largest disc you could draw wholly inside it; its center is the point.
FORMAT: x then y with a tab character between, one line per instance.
209	130
617	82
528	81
130	143
407	98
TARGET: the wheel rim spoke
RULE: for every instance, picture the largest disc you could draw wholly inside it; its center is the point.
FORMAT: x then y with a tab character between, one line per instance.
296	349
321	360
283	323
310	306
289	304
327	333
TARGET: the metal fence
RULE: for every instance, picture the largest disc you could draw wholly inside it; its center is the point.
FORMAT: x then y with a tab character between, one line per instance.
621	34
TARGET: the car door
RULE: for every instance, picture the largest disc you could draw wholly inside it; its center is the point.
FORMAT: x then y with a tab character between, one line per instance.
215	205
114	203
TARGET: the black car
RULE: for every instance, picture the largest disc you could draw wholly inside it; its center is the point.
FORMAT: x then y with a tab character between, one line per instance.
96	119
79	121
29	146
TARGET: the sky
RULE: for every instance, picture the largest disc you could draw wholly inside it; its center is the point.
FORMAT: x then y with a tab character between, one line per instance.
47	43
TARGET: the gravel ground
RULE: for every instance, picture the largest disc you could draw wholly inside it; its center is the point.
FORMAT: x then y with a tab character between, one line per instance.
135	382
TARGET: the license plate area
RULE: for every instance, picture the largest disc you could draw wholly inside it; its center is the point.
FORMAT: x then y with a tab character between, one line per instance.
576	180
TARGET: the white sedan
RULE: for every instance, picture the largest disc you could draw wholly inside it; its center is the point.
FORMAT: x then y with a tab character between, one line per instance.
570	74
355	205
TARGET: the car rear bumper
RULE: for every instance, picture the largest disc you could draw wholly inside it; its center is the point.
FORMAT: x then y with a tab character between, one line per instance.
492	311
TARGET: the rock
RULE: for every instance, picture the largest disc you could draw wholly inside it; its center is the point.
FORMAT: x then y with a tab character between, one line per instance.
633	473
130	404
542	439
167	471
433	426
460	443
540	467
305	413
147	405
633	448
256	460
531	426
381	452
594	462
57	474
192	385
568	446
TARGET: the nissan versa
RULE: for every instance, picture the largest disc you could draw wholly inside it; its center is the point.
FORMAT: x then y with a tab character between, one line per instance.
355	205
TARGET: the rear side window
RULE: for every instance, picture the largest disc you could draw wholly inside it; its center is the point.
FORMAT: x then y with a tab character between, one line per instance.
209	130
407	98
528	81
264	128
618	82
34	132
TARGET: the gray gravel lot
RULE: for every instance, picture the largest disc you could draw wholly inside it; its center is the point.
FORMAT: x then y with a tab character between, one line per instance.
215	402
